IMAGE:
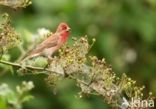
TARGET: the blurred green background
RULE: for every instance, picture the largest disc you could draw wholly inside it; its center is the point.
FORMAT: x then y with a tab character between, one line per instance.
125	31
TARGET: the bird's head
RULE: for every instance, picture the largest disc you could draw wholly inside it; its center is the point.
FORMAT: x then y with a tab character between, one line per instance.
63	27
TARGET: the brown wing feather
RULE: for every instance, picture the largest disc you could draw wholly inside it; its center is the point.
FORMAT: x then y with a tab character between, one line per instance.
48	43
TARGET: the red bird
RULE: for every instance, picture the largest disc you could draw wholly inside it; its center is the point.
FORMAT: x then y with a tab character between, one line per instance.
52	43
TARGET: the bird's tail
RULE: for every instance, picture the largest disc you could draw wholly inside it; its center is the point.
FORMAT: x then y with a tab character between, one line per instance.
28	56
23	58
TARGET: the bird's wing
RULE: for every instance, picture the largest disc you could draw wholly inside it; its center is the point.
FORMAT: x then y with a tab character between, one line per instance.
48	43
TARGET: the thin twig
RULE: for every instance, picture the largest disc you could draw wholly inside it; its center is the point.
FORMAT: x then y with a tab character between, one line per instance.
25	66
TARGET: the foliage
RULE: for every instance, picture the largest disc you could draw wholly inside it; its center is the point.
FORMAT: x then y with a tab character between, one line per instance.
94	78
8	37
10	99
125	36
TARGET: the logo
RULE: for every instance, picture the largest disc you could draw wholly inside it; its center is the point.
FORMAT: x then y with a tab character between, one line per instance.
137	103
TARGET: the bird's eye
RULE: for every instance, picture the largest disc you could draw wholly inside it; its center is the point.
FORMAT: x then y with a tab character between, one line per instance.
64	27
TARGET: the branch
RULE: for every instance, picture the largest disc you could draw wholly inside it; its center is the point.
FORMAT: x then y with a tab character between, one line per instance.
27	67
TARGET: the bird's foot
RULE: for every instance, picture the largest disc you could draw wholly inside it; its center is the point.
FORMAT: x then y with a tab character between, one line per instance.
46	66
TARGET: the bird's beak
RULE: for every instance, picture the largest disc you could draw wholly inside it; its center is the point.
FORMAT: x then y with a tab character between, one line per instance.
68	29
